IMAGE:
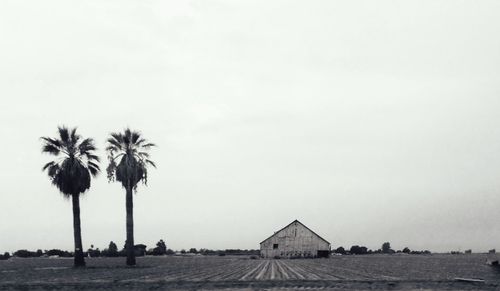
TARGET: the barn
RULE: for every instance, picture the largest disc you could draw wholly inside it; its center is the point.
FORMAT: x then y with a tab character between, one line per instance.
295	241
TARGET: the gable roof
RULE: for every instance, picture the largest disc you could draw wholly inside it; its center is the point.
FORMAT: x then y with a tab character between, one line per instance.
291	224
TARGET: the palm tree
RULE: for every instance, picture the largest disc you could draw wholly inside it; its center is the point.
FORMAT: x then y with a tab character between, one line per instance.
128	162
71	173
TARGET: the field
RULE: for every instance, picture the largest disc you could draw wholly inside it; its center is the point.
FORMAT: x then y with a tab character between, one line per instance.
199	272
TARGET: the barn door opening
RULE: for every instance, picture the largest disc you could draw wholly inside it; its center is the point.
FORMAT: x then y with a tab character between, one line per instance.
323	254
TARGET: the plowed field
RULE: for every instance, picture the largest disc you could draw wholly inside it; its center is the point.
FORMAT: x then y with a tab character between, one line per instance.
195	273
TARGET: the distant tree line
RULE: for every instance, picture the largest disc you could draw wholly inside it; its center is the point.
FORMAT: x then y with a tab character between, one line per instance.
139	250
38	253
385	249
468	252
231	252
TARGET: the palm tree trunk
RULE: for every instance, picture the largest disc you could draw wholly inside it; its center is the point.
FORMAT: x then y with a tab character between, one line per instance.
130	227
77	232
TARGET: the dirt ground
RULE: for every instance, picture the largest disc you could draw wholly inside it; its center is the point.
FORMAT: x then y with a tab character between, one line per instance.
371	272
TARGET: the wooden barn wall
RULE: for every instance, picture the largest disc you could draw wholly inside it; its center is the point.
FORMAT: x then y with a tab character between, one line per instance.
293	241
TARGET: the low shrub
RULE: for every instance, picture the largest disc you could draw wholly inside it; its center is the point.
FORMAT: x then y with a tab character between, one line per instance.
5	256
24	254
60	253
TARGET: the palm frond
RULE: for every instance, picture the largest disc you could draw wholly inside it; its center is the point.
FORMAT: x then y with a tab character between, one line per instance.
111	149
116	139
64	134
93	171
93	168
92	157
92	164
51	149
73	136
151	163
143	154
53	170
111	169
127	136
127	132
140	142
135	137
148	145
117	136
47	165
52	141
117	142
86	145
145	176
117	156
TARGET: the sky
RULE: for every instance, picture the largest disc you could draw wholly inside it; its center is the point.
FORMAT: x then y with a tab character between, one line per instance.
368	121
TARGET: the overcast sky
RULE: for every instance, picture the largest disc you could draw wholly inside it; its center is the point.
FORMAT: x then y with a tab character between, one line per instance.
369	121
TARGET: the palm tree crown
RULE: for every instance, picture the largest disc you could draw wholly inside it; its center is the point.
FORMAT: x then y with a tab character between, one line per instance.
132	149
71	172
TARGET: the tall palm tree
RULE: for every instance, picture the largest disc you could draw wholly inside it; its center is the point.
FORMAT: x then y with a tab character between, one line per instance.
128	162
71	173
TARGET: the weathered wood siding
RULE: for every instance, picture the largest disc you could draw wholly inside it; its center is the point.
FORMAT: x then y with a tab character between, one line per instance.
295	240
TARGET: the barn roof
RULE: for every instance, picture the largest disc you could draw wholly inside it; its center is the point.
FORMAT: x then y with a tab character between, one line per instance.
291	224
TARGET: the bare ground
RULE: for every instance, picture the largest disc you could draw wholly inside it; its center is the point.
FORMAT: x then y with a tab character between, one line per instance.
373	272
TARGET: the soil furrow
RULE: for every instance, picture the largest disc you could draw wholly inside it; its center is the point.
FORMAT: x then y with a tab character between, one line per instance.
249	274
293	271
284	274
262	271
